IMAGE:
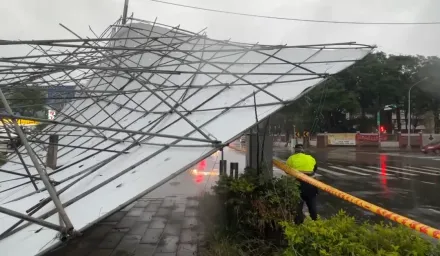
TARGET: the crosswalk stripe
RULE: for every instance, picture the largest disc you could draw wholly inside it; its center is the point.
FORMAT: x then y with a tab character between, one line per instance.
328	171
348	170
432	168
409	170
367	170
425	169
388	170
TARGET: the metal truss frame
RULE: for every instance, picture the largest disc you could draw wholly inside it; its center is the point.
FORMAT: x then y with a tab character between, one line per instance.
92	65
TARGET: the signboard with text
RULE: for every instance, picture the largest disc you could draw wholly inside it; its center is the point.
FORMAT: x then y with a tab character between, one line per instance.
372	137
20	122
341	139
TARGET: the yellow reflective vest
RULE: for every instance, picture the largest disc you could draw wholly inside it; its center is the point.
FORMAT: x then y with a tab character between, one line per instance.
301	162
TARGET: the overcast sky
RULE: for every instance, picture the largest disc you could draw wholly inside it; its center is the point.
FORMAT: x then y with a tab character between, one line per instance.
39	19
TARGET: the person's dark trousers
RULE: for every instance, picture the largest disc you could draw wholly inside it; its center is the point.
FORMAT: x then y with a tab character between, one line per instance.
308	196
311	205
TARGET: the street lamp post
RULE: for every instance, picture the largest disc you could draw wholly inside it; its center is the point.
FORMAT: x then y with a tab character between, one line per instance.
408	145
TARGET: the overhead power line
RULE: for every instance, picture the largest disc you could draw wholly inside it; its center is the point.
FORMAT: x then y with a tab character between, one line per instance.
301	20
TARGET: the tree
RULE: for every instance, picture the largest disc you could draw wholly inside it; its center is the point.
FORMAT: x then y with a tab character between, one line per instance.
26	101
362	91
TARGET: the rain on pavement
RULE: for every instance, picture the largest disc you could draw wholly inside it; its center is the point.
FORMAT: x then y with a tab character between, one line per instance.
403	182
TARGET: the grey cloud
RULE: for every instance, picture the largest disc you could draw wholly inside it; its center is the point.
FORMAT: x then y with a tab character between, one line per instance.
24	19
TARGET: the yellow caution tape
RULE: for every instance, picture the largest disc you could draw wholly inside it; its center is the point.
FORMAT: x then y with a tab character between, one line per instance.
420	227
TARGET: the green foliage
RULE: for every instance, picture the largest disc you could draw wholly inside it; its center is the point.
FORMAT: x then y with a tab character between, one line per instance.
255	204
362	90
242	216
342	235
27	101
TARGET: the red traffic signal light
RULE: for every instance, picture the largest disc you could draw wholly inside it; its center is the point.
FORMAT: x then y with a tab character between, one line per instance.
382	129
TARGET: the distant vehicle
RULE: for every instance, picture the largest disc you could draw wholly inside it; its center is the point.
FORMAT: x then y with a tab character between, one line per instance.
243	139
433	147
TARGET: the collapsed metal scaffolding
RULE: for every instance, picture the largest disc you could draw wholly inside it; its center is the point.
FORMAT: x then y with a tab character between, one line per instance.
106	58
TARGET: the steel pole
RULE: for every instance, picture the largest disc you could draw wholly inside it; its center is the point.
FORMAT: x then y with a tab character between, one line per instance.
32	219
408	145
124	14
378	126
40	170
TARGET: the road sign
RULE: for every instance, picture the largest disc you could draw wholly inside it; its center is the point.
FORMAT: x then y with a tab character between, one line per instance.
297	134
51	114
306	134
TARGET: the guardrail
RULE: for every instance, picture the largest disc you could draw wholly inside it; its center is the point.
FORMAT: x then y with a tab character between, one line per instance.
420	227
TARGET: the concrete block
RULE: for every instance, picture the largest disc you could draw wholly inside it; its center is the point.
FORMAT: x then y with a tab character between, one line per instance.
189	222
187	250
191	212
139	228
101	252
152	207
168	244
152	236
127	246
172	229
145	249
141	204
158	222
127	222
135	212
111	240
146	216
188	236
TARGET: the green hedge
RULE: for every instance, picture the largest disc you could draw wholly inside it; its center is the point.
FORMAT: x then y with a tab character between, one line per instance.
342	235
254	216
254	205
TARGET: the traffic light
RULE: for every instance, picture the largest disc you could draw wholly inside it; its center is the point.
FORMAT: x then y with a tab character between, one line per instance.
382	129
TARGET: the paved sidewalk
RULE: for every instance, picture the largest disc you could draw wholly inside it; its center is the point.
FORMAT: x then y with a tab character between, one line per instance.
149	227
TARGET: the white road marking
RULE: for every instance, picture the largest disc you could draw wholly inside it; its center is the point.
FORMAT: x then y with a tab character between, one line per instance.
388	170
427	182
409	170
331	172
367	170
434	210
348	170
424	169
432	168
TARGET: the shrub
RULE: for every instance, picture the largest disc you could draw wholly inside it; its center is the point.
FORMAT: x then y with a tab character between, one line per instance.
256	204
342	235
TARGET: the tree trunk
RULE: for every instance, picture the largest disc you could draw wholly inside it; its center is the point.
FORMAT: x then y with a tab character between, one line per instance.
399	125
435	112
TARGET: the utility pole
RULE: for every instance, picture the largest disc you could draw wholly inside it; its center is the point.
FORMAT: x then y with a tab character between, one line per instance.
408	145
378	126
124	14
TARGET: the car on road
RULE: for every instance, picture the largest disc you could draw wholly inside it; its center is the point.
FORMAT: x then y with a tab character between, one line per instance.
432	147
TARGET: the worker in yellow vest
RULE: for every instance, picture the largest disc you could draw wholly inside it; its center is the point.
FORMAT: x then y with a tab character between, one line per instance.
306	164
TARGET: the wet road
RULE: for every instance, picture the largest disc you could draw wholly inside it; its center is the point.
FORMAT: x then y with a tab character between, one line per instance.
405	183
